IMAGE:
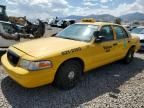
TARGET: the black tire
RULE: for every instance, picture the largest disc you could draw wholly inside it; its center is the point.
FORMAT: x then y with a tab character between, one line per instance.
68	75
129	56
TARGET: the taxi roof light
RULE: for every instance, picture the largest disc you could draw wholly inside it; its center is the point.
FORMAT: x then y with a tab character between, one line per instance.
92	20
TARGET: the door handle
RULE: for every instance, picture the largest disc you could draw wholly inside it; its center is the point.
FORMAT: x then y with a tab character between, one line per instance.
129	41
115	44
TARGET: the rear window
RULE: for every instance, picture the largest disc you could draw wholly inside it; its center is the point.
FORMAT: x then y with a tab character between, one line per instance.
120	32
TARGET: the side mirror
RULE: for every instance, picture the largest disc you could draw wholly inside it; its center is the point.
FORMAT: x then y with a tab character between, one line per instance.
98	37
96	34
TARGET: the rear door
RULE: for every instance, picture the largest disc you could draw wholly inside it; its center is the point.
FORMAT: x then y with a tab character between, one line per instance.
123	41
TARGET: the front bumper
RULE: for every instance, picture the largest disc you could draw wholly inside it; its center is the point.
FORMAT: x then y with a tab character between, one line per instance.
26	78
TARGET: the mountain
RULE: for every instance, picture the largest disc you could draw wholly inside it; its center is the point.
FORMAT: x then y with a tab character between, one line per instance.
106	17
74	17
133	17
103	17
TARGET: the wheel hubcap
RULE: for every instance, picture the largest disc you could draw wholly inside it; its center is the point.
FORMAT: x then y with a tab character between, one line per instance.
71	75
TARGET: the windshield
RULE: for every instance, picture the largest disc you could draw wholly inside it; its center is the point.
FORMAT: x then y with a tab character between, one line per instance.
138	30
80	32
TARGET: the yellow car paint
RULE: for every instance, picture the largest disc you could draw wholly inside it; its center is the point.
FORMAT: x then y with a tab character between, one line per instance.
59	50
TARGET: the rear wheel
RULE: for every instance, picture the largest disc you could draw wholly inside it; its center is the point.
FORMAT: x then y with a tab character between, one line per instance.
68	74
129	57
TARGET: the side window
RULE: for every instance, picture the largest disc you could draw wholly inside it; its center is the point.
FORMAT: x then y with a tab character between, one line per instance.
120	32
107	32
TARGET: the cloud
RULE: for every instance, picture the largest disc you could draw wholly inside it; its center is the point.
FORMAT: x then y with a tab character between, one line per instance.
37	8
101	1
49	8
89	4
105	1
124	8
121	9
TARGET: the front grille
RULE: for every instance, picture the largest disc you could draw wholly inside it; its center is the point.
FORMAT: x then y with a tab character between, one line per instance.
13	58
141	41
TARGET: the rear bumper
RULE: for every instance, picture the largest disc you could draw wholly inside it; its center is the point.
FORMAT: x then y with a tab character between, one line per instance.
26	78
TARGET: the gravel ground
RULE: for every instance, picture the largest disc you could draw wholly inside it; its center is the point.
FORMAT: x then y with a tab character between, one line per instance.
111	86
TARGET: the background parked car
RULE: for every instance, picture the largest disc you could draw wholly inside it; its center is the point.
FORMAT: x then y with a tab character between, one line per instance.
7	28
53	22
139	31
133	27
65	22
128	27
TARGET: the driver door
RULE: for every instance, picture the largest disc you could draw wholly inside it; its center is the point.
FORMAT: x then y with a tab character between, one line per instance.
103	52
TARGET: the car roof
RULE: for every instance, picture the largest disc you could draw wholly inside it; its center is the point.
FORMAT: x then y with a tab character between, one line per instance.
98	23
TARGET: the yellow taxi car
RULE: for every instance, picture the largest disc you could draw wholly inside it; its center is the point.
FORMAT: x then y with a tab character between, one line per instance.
63	58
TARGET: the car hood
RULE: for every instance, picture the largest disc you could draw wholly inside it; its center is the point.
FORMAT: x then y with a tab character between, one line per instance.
48	46
141	36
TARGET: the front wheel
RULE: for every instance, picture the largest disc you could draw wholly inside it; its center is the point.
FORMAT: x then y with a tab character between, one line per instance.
68	74
129	57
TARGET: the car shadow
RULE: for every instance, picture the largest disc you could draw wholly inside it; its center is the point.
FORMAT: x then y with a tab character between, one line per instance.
140	52
106	79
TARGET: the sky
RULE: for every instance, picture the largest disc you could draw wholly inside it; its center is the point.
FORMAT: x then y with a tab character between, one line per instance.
62	8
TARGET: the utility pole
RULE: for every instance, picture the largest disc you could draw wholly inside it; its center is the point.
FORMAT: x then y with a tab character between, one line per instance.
3	15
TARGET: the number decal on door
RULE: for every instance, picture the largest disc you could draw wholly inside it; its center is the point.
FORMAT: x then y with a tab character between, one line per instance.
107	48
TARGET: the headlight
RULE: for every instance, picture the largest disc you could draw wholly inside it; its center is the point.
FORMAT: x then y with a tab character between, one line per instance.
37	65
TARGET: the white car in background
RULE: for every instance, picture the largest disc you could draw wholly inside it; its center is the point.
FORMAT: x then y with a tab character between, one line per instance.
139	31
65	23
6	27
128	27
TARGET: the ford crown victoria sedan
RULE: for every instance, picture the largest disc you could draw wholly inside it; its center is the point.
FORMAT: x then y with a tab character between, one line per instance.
63	59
